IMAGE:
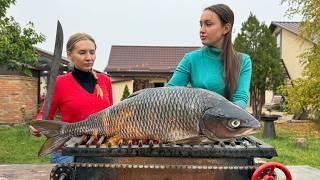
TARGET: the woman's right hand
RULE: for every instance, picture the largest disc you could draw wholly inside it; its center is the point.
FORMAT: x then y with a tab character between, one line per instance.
34	131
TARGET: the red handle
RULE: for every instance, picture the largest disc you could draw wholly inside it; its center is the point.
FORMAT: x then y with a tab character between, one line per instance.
265	172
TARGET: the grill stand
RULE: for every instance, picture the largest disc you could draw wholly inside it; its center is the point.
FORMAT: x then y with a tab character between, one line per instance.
220	161
156	168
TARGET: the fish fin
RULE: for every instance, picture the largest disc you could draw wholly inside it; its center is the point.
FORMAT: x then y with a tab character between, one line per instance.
191	140
95	134
52	144
208	141
51	129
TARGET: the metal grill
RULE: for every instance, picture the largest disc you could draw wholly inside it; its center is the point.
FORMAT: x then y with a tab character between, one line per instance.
101	159
241	147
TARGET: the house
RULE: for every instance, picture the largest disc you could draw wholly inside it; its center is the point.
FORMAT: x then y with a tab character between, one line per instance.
291	45
141	67
20	95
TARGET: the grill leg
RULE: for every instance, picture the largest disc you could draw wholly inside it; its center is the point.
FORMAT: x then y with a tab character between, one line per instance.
61	172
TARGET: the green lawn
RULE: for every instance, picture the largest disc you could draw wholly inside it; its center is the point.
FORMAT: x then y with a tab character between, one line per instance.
289	153
18	146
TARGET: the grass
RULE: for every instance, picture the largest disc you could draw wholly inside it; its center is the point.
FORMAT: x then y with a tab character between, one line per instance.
288	152
18	146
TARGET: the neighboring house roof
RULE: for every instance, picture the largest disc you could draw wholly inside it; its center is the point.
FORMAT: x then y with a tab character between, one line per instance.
145	59
293	27
45	59
289	26
48	54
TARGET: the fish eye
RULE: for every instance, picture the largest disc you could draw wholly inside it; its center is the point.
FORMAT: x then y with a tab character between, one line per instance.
234	123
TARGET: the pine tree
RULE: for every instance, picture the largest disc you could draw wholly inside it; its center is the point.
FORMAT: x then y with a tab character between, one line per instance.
125	93
256	40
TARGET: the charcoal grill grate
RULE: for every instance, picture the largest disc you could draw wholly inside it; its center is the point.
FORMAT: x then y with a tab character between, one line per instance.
240	147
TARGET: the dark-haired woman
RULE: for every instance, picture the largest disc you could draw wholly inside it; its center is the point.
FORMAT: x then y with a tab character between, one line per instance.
216	66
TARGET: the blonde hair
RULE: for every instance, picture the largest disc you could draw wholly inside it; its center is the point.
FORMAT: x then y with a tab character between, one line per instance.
73	40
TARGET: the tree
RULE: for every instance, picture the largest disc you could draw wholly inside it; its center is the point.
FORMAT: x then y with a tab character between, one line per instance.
256	40
17	50
4	5
125	93
304	93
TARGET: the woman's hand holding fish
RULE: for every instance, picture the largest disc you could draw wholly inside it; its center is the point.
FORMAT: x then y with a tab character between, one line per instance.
34	131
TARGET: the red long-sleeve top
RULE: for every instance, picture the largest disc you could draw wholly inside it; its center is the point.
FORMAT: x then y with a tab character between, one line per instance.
74	102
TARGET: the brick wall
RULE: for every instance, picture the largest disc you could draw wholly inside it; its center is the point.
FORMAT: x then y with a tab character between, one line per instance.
17	92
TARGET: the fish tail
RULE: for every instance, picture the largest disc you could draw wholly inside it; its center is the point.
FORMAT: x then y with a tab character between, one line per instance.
51	129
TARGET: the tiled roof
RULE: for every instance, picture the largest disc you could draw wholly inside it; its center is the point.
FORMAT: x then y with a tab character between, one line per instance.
293	27
145	58
48	54
289	26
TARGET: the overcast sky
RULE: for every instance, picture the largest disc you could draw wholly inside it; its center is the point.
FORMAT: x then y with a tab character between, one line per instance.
134	22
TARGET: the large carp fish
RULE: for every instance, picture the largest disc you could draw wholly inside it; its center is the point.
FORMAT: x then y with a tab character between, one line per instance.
169	114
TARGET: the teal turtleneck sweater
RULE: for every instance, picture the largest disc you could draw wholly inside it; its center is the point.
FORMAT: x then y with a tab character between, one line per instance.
203	68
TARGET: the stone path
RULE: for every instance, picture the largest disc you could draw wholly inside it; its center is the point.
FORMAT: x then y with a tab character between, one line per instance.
301	172
42	172
25	171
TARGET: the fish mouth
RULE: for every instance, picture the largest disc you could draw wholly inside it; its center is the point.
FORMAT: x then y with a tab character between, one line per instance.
242	132
250	131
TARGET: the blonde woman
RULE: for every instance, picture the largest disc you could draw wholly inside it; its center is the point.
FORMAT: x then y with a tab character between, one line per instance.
81	92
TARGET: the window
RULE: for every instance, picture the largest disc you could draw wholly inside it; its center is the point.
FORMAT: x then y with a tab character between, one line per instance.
158	84
278	39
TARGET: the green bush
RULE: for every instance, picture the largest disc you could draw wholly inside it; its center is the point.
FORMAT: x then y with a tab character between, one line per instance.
125	93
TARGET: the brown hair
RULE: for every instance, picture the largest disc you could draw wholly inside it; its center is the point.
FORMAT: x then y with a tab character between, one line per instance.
231	59
73	39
